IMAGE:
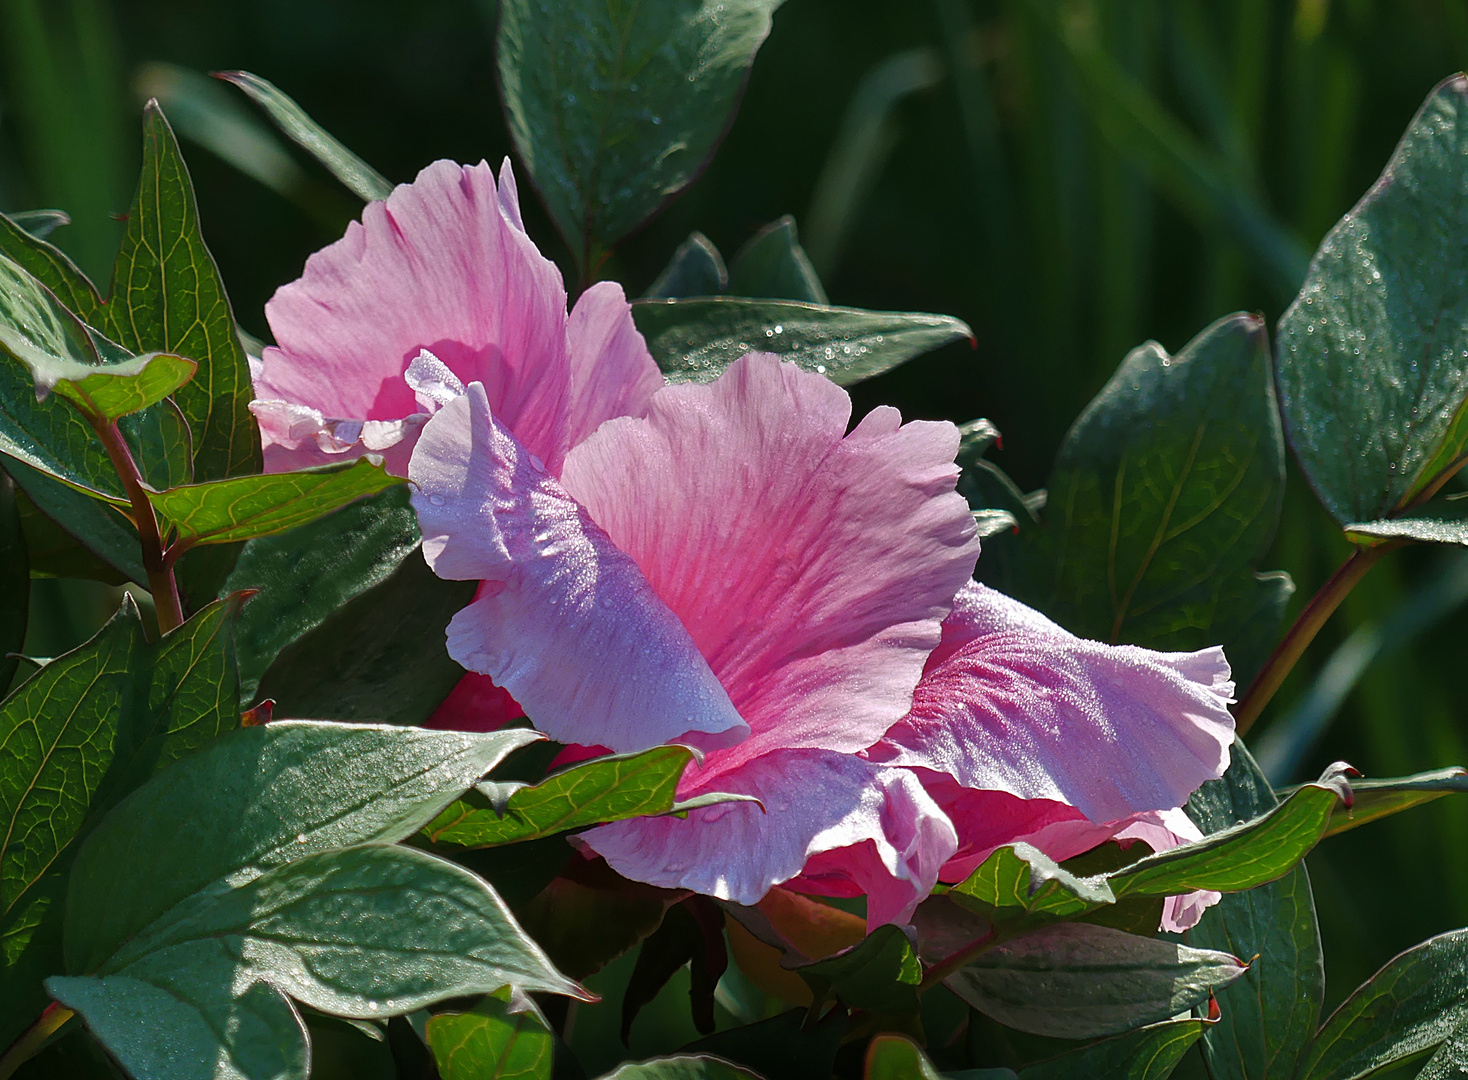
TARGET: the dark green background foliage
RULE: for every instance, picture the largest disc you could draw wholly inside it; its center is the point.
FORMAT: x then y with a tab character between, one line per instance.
1069	179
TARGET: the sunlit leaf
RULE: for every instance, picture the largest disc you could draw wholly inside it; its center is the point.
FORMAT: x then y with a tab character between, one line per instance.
491	1043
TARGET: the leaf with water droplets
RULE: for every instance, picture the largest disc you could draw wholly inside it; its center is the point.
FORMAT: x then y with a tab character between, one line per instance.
1439	521
615	108
695	340
1373	353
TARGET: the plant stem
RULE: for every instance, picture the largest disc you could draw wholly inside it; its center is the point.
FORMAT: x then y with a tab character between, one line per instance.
1322	605
946	967
33	1038
161	582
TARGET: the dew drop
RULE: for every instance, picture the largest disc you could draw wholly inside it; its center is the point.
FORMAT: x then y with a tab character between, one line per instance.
436	500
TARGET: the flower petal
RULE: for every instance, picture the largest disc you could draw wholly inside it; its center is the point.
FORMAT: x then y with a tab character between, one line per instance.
475	704
1011	702
444	264
563	621
813	568
877	826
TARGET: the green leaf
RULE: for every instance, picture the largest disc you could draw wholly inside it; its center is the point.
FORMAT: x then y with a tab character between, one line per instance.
37	330
1450	1062
1272	1012
891	1057
695	340
615	108
77	519
881	974
302	577
1376	799
276	794
1076	981
80	733
611	788
40	223
696	269
774	266
1412	1004
363	180
15	583
168	297
1149	1053
214	1029
691	936
682	1067
119	390
1021	880
1166	494
50	266
244	507
1372	377
1440	521
491	1043
385	649
782	1047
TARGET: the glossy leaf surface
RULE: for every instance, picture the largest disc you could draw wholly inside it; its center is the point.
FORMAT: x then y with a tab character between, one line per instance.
615	108
362	179
1373	376
1165	496
1270	1014
1412	1004
695	340
1074	980
118	390
1149	1053
244	507
1439	521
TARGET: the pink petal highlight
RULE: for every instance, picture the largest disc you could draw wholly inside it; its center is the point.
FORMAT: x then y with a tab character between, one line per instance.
1011	702
444	264
812	568
875	827
563	621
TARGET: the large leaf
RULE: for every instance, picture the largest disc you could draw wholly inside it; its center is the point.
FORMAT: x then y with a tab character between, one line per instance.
302	577
118	390
695	340
385	649
491	1043
366	182
606	789
244	507
1149	1053
1450	1062
1272	1012
168	297
79	733
1372	375
1372	800
15	583
881	974
49	265
276	794
614	108
1412	1004
1166	494
682	1067
1075	980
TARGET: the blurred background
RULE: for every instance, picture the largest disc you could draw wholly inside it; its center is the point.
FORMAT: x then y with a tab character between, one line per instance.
1070	178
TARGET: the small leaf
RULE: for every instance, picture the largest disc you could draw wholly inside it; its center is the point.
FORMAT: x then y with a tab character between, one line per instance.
385	648
168	297
891	1057
1270	1014
1022	880
118	390
15	584
1375	799
303	576
774	266
695	340
1074	980
244	507
696	269
1440	521
882	974
40	223
363	180
276	793
1412	1004
615	109
74	518
605	789
682	1067
1372	380
1166	495
1149	1053
50	266
491	1043
37	330
692	936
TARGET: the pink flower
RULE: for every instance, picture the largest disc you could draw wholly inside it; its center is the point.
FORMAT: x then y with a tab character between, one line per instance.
442	267
902	721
